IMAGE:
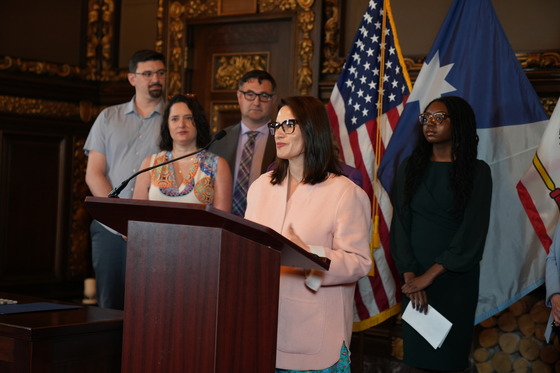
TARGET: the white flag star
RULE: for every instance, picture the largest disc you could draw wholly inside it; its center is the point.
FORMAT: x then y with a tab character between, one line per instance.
431	82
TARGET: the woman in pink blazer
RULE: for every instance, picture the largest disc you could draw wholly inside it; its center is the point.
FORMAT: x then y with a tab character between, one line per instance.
306	199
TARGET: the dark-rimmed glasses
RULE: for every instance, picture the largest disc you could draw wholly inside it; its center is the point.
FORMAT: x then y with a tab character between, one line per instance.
435	118
148	74
251	96
288	126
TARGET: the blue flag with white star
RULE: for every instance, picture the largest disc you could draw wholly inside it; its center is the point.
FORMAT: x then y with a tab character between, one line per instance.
472	58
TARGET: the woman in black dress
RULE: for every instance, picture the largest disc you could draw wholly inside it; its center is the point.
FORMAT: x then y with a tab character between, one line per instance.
438	232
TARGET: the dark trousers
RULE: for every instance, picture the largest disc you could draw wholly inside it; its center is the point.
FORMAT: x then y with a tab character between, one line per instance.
109	263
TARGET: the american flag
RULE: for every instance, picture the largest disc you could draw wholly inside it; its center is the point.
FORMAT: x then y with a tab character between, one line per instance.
364	108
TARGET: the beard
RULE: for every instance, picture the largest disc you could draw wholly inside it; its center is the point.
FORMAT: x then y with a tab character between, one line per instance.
155	91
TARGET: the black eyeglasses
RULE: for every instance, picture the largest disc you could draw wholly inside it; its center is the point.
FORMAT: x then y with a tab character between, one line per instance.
436	118
288	126
148	74
251	96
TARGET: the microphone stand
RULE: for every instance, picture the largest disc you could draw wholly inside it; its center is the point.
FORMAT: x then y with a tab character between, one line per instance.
115	192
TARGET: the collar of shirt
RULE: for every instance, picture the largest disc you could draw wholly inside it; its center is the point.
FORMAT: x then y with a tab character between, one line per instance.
262	129
131	108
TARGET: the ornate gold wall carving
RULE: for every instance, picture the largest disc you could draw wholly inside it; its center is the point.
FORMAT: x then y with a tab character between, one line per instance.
276	5
40	67
549	103
539	60
332	61
178	14
100	59
30	106
229	68
85	110
306	23
201	8
177	51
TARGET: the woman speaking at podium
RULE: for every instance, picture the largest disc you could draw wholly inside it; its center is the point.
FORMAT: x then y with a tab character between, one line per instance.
308	200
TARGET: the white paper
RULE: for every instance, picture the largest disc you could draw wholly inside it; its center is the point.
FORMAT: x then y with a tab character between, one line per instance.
432	325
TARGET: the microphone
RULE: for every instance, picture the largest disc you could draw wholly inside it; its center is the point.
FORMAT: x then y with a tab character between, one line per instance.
115	192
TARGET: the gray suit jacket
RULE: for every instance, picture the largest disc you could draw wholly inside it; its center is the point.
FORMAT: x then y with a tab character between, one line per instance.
227	148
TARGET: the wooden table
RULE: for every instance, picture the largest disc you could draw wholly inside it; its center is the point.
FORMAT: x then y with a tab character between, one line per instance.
88	339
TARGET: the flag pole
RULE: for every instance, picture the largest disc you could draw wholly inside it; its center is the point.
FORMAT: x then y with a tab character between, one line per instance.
375	240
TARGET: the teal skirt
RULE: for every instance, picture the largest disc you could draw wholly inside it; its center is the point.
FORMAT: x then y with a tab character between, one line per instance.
341	366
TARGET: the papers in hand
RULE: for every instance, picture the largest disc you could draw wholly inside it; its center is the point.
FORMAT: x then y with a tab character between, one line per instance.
432	326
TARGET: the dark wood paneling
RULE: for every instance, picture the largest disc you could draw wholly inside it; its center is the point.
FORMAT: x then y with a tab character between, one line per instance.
37	179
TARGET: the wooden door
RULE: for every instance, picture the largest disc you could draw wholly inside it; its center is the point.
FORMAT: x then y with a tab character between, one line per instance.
222	50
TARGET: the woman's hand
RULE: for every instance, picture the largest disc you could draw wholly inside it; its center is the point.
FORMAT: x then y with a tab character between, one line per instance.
413	283
418	298
416	284
296	239
419	301
555	301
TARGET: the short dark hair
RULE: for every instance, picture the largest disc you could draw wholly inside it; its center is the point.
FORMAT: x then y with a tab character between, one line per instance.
260	75
143	56
200	121
321	155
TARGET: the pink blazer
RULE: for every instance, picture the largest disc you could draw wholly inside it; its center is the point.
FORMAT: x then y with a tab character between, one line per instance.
332	217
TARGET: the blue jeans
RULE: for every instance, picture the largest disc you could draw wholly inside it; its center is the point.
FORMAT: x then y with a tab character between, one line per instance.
108	252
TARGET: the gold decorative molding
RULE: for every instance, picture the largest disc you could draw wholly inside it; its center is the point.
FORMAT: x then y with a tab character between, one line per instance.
85	110
306	23
198	8
176	51
528	60
29	106
100	41
276	5
217	109
229	68
332	62
539	60
160	26
40	68
414	63
549	104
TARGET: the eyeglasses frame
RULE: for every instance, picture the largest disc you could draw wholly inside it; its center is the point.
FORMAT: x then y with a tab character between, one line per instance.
291	123
267	96
148	74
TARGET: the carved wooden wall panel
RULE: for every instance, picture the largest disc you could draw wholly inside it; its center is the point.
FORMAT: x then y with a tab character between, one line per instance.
221	52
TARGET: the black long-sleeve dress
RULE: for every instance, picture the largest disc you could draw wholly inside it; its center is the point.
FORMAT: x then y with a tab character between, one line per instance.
427	232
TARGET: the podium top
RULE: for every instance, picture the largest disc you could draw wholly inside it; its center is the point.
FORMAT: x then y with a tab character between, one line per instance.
116	212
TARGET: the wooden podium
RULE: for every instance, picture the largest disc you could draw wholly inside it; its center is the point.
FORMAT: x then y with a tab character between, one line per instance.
201	286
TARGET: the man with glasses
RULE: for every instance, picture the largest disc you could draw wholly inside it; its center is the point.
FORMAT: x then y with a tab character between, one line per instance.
121	137
248	147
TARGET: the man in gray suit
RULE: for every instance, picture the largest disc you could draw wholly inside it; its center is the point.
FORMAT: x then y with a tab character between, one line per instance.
257	101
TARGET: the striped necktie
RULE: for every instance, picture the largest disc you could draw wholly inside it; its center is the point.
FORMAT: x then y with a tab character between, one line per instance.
242	184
